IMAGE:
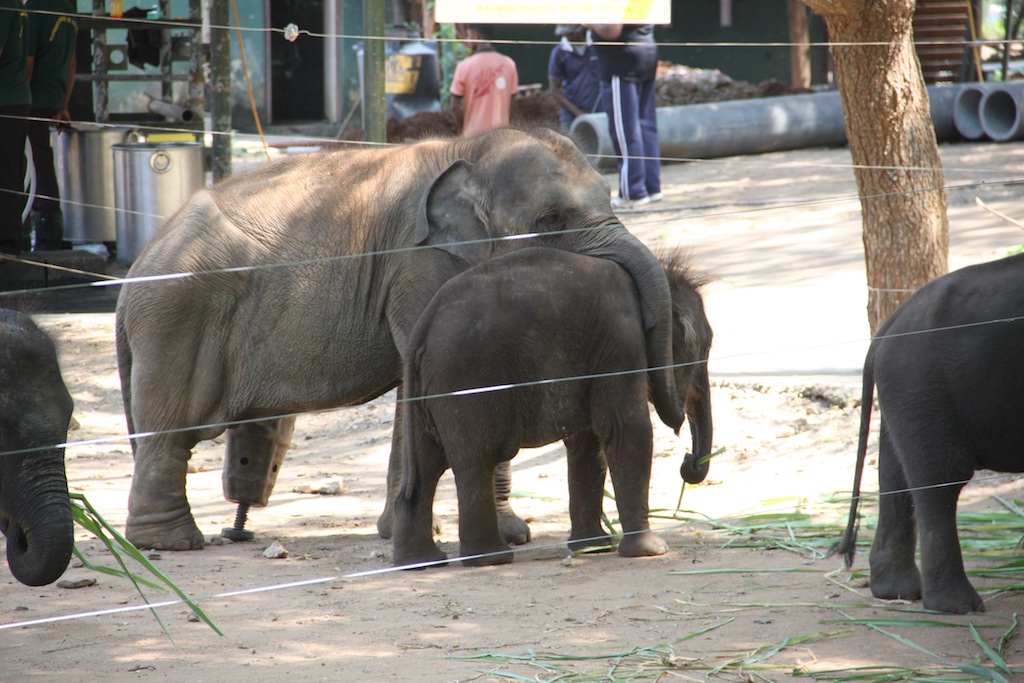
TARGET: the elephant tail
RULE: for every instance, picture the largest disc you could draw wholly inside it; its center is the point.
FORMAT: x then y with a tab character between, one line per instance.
847	546
416	423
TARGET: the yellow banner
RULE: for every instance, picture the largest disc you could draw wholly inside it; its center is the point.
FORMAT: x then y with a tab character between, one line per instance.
554	12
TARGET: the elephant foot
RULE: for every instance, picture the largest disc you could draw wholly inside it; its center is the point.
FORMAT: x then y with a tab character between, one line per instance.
419	559
484	556
643	544
386	524
955	600
888	583
182	536
514	530
594	539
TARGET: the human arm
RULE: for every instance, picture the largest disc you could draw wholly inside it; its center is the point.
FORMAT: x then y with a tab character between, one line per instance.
65	115
555	86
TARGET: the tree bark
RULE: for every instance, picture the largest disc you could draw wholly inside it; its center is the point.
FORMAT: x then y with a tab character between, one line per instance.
892	142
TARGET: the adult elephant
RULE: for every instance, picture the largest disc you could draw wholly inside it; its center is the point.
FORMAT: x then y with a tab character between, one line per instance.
35	409
304	279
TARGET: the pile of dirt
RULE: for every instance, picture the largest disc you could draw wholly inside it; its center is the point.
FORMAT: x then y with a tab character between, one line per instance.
676	85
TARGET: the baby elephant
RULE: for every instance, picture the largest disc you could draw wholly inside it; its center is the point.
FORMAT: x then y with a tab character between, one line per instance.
526	349
950	377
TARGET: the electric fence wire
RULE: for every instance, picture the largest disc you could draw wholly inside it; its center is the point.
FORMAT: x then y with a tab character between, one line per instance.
751	206
294	30
773	204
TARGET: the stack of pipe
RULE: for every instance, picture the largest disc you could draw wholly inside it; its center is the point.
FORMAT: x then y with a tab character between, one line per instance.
990	110
775	124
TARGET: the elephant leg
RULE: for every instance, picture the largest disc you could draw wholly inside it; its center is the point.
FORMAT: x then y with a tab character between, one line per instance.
894	574
159	515
945	586
413	518
480	538
513	529
587	474
629	449
386	521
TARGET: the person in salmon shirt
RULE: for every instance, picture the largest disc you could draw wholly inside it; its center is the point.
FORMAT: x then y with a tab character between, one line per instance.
484	83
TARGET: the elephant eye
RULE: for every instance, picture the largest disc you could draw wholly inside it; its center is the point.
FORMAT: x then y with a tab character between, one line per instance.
549	220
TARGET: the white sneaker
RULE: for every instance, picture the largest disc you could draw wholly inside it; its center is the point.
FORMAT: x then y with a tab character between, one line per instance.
620	203
656	197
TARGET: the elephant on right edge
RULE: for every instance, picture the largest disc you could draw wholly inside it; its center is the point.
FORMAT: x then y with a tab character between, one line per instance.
950	377
526	349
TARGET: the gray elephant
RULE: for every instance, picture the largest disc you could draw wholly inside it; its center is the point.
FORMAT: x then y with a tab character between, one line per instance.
306	277
35	410
947	367
526	349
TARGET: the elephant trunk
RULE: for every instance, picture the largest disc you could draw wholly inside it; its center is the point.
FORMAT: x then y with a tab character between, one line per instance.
612	241
698	409
35	515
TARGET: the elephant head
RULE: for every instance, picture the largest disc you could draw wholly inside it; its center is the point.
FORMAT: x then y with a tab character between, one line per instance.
35	409
504	186
691	346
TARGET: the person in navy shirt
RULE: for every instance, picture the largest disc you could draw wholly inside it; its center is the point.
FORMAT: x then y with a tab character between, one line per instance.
573	75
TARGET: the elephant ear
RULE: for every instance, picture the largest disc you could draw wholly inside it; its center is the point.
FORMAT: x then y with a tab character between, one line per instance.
452	214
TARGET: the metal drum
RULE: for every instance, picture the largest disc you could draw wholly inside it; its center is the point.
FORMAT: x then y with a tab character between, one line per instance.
85	170
152	180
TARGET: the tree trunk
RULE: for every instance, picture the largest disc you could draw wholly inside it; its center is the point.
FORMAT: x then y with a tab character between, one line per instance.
800	50
892	141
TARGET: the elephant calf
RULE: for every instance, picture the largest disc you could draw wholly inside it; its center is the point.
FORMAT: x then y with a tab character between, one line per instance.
35	409
948	370
526	349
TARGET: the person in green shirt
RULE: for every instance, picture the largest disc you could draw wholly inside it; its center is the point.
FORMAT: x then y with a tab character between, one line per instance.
15	104
50	49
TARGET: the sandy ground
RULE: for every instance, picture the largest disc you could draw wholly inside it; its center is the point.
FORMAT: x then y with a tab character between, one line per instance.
780	233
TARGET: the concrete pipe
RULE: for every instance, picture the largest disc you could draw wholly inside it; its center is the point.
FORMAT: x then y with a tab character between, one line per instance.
967	110
942	104
718	129
769	124
1002	112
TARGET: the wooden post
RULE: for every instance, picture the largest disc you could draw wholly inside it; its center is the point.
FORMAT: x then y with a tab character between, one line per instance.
800	51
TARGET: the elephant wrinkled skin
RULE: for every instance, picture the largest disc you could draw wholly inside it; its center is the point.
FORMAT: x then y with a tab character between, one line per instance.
305	278
949	383
35	410
526	349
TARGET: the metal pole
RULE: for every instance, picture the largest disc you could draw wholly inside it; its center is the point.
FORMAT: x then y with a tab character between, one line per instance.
1009	34
332	93
220	65
374	103
197	78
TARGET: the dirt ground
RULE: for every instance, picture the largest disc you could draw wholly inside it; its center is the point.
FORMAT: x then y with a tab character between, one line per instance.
745	593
